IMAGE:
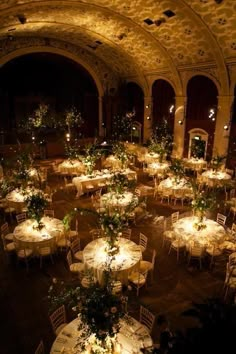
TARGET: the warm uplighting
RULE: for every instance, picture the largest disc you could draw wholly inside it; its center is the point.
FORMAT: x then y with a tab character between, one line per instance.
226	127
148	118
180	122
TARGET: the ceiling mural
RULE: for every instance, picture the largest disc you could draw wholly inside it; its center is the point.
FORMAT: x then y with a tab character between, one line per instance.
134	37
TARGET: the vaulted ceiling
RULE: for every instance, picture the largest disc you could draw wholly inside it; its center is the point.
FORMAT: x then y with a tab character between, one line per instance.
132	36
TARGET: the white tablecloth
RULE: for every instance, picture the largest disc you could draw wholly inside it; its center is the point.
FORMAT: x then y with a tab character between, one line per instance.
213	178
96	258
99	177
133	336
71	166
171	184
184	229
112	162
195	164
17	197
151	157
31	238
156	168
117	200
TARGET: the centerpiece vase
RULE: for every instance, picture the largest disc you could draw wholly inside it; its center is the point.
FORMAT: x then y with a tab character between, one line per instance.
200	225
112	245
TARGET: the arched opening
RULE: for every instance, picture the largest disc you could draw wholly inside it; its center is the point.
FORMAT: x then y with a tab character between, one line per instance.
197	143
201	110
163	96
60	82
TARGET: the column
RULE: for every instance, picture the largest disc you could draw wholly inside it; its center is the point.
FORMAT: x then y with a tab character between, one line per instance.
179	126
100	117
147	119
222	128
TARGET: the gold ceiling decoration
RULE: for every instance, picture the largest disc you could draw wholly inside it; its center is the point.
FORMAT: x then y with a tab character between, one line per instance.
131	37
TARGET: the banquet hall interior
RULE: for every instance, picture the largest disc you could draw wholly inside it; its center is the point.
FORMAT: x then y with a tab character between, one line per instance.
117	176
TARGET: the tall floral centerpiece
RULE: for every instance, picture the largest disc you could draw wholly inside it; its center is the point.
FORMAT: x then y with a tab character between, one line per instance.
177	169
90	158
162	139
217	162
120	182
120	152
201	203
36	203
112	224
99	312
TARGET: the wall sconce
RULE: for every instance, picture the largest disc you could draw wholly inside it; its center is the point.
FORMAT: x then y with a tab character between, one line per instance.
68	137
147	106
148	118
171	109
180	122
226	127
33	138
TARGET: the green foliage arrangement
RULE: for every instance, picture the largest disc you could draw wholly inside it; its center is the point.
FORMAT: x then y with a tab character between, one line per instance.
72	150
119	182
6	186
92	154
120	151
98	308
36	203
162	138
217	161
202	202
177	168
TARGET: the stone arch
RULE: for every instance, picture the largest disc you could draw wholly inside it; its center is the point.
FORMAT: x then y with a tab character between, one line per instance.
165	78
189	75
35	49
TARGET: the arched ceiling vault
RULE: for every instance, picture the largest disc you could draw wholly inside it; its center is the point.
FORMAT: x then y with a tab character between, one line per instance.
135	38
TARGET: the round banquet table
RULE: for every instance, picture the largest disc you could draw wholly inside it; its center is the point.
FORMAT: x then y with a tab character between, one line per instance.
184	229
29	237
71	166
215	177
195	164
125	261
117	200
151	157
112	162
18	196
156	168
172	184
132	337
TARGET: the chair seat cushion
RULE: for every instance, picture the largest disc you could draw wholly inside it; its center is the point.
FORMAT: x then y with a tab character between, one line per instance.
9	237
60	328
145	265
76	267
178	244
63	243
10	247
24	253
79	256
9	210
214	251
137	278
